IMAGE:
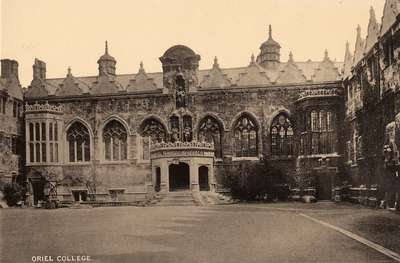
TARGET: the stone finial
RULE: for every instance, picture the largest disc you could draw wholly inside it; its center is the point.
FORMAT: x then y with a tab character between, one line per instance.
106	47
270	31
372	14
215	62
69	71
326	55
291	57
252	61
141	68
358	31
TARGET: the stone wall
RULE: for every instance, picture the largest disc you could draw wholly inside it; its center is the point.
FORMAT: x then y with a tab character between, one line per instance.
262	103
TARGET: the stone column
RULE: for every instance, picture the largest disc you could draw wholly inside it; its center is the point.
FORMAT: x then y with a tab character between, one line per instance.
194	176
228	147
164	176
211	177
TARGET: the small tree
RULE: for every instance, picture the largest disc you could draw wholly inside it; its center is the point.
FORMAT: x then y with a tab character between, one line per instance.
13	193
257	181
248	182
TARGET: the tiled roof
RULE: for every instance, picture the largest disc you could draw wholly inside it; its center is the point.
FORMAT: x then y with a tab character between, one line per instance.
12	87
326	70
85	83
291	73
254	74
216	78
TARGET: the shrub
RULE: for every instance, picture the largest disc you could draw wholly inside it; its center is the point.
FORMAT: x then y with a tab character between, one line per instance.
257	181
13	193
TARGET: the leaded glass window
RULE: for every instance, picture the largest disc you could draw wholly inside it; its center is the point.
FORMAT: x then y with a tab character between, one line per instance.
152	132
115	141
211	131
281	136
78	139
245	137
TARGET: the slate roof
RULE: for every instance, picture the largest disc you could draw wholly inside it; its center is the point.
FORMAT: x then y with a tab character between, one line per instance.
12	87
153	81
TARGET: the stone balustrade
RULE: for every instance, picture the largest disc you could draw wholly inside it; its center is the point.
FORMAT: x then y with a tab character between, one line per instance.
182	149
320	92
43	107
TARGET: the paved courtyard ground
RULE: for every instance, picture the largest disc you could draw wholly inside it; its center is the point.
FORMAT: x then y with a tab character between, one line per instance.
237	233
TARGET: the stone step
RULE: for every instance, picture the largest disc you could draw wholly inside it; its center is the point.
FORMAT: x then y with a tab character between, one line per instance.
179	198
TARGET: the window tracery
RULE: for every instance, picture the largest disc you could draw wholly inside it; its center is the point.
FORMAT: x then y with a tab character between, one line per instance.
211	131
245	137
78	139
115	141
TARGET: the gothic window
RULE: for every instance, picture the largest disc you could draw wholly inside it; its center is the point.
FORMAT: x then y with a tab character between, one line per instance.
78	140
3	105
211	131
321	134
53	141
115	141
15	105
152	132
281	136
245	137
314	121
331	132
37	142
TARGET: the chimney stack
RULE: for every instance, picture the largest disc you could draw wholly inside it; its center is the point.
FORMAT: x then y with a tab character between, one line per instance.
39	70
9	68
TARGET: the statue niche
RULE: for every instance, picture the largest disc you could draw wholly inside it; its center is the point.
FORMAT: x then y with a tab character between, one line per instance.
180	65
187	129
180	91
175	131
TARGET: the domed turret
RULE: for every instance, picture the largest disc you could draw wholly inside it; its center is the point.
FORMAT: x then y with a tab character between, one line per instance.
106	63
269	56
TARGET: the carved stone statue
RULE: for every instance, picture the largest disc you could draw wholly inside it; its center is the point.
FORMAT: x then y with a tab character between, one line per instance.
180	91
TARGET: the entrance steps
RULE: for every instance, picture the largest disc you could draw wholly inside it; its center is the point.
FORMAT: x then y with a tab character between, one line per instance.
177	198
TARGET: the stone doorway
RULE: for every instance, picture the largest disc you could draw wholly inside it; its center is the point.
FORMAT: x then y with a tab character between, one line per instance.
157	186
38	190
179	177
79	195
204	184
323	185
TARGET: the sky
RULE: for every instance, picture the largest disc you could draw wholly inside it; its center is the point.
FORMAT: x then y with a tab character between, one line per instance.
71	33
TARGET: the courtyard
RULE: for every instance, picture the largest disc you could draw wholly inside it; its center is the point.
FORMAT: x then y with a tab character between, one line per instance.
285	232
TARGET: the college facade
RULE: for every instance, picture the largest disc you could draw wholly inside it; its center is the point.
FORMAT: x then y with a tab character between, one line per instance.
117	137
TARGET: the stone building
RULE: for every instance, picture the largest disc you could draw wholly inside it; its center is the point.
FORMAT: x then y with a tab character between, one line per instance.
371	80
120	137
11	128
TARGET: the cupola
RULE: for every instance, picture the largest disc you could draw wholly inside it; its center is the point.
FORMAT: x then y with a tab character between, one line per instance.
269	56
106	63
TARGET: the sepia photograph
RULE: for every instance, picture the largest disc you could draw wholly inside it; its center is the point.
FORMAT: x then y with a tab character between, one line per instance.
205	131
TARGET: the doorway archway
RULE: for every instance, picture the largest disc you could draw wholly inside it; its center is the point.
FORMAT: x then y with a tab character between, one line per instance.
179	177
204	184
157	186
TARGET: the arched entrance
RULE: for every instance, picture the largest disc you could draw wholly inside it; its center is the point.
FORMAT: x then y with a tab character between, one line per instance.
158	179
37	187
203	178
179	177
